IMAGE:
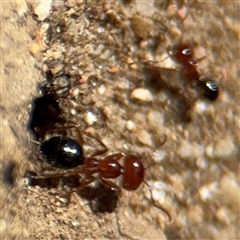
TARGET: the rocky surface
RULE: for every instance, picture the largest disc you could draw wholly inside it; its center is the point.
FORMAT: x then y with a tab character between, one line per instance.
108	70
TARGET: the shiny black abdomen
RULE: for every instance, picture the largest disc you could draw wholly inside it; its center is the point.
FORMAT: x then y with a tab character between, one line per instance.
62	152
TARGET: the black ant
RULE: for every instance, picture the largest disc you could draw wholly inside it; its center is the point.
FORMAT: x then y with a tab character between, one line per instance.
66	153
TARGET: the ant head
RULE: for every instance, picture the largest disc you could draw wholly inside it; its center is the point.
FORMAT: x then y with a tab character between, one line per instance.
182	53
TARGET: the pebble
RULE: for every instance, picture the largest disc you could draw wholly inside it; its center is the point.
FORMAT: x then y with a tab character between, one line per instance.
114	69
208	191
145	8
145	138
142	27
142	94
229	191
43	9
35	49
159	155
222	148
90	118
190	150
75	223
101	90
155	118
130	125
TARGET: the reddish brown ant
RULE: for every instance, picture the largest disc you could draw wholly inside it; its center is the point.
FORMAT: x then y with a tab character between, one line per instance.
63	152
183	54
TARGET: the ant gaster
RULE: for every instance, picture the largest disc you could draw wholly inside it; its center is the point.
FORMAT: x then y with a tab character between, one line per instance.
66	153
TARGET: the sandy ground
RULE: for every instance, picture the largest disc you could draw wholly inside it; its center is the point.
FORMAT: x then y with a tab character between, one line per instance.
195	174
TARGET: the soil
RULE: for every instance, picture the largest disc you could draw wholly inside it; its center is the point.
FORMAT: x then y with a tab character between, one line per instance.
111	73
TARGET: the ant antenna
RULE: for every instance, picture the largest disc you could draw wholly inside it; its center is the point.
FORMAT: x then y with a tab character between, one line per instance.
162	143
150	190
34	141
159	206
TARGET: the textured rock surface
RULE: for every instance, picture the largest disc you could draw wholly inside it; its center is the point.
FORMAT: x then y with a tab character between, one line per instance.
195	174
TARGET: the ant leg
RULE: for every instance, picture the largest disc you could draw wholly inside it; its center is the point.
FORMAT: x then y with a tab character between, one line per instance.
98	152
158	205
80	138
89	180
110	185
163	141
34	141
153	153
70	172
114	157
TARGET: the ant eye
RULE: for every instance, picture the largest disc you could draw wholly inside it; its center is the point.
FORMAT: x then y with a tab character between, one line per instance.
186	51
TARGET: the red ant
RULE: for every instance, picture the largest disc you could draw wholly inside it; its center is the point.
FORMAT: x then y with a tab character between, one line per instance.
184	55
63	152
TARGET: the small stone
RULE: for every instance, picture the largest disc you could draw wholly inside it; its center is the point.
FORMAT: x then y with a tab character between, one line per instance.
90	118
223	148
155	118
189	150
75	92
222	215
142	27
159	155
43	9
114	69
130	125
145	138
208	191
75	224
142	94
145	8
43	28
101	89
131	63
34	49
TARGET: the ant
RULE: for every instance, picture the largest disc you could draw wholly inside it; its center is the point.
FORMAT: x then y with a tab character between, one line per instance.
183	54
65	153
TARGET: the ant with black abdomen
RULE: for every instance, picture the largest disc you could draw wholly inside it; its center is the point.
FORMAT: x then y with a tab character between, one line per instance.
65	153
183	54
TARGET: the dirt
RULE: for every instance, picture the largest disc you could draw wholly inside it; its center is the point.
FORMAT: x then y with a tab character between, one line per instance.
194	175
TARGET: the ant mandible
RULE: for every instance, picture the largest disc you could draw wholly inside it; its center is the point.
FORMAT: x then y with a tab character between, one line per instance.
65	153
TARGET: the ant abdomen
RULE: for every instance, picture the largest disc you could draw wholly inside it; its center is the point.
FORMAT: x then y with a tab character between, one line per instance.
62	152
